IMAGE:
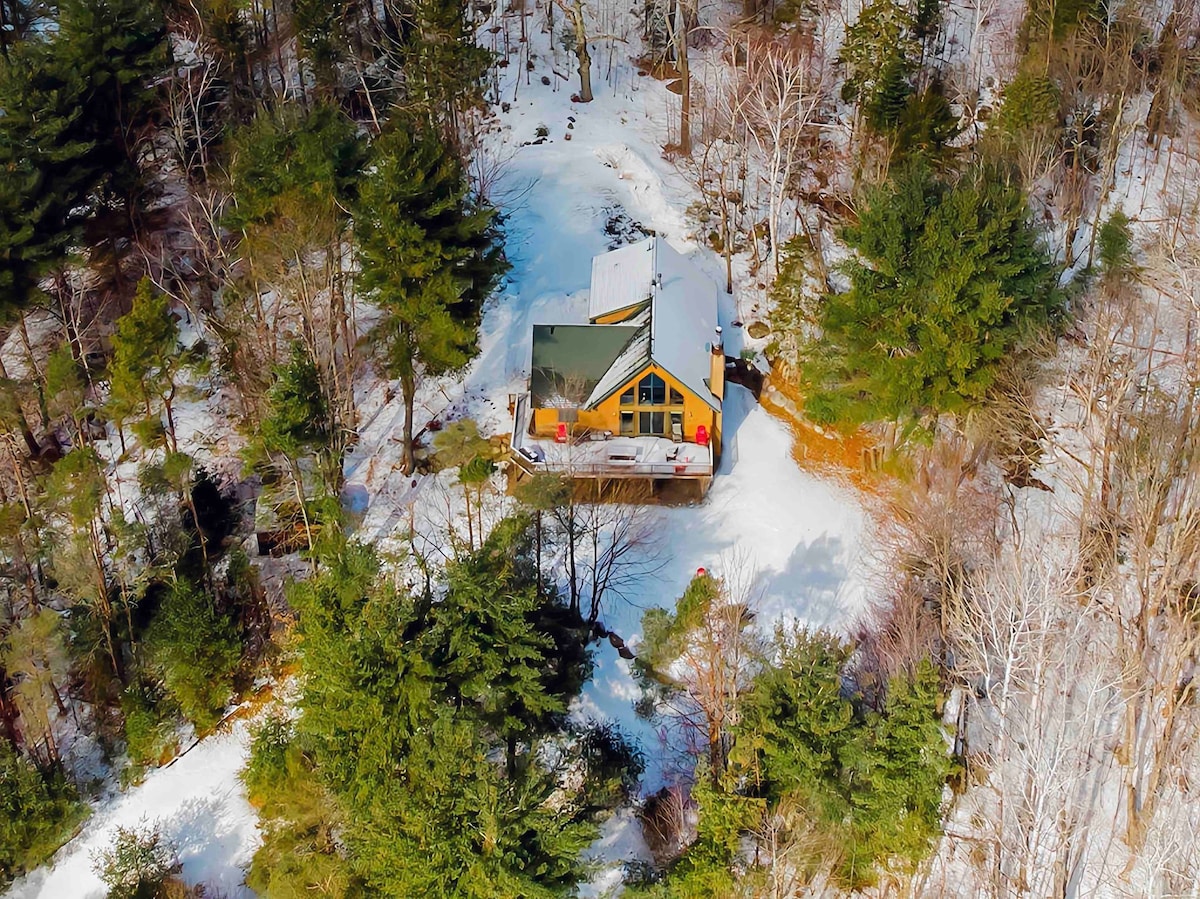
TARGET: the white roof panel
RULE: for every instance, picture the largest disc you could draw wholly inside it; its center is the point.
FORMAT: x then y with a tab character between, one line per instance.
621	278
683	321
677	330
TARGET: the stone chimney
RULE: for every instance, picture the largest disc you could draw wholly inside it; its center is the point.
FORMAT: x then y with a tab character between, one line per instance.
716	375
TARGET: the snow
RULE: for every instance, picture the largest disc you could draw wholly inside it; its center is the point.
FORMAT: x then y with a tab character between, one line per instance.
804	536
199	804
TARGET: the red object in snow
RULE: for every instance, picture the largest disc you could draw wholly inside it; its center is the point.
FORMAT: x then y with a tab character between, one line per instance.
701	572
702	435
560	435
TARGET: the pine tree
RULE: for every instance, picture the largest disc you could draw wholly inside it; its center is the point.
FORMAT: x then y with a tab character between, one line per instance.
429	257
35	651
950	279
500	645
38	811
440	67
121	47
408	702
75	492
147	361
796	723
877	54
897	771
66	392
50	164
197	648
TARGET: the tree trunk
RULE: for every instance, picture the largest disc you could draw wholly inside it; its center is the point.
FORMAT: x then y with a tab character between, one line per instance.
685	81
581	51
8	713
409	388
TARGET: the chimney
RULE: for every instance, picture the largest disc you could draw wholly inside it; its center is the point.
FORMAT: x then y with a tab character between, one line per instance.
716	375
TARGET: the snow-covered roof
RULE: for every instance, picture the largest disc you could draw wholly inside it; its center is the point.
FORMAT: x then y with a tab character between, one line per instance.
621	278
633	358
682	317
674	329
683	321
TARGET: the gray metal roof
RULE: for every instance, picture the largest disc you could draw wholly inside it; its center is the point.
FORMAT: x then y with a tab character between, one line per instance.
675	331
568	361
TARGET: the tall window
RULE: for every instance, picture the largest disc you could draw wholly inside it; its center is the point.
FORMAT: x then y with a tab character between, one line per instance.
652	391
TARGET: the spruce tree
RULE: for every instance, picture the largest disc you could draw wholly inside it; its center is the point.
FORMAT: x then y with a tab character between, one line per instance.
38	810
196	647
408	705
950	278
429	256
147	361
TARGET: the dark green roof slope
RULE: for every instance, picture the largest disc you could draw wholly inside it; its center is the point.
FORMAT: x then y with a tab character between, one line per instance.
569	360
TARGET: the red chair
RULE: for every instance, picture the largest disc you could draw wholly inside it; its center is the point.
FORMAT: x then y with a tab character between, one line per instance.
560	435
702	435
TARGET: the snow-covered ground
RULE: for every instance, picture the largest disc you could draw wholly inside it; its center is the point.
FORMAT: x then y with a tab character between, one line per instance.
200	807
564	201
802	535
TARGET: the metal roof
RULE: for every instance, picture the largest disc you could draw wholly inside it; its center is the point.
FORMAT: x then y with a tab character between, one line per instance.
568	361
675	331
621	278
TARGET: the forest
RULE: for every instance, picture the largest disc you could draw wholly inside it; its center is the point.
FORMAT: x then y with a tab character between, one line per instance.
267	272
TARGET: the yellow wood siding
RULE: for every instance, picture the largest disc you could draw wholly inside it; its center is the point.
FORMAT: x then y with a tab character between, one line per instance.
607	416
620	315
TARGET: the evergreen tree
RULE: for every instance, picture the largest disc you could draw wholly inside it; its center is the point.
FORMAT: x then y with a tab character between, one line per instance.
896	772
408	702
501	645
197	648
75	492
77	102
50	164
949	280
429	256
140	864
877	54
121	47
35	652
795	724
314	158
440	67
318	23
148	362
38	811
66	391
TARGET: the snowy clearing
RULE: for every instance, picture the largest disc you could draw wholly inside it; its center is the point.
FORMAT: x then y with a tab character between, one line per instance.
200	805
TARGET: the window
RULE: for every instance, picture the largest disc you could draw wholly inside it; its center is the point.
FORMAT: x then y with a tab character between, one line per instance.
627	424
627	397
676	397
652	423
652	391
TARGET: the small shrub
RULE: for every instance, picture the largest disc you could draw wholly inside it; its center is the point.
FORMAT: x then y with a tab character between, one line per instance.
139	865
1030	104
267	768
149	724
1115	243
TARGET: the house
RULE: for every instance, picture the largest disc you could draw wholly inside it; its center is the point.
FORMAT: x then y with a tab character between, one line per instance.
636	392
